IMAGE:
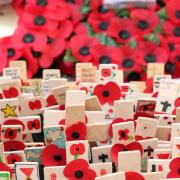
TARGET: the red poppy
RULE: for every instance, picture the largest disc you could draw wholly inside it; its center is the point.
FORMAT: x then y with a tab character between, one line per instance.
13	146
66	69
145	20
12	92
14	122
122	30
138	138
34	124
133	175
62	122
51	101
148	52
173	10
12	158
104	54
28	38
171	29
80	29
102	11
164	156
79	169
76	132
123	134
3	62
174	168
33	105
106	72
36	18
82	49
4	167
77	149
142	114
118	120
98	23
177	102
127	59
121	147
10	133
75	2
52	155
107	93
149	85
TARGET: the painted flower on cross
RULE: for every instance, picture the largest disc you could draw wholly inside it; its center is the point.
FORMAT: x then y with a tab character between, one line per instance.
174	168
52	155
77	150
34	124
133	175
10	133
79	169
123	134
107	93
12	158
76	132
13	146
12	92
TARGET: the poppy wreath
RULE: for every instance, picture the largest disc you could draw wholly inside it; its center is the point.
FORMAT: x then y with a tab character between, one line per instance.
47	33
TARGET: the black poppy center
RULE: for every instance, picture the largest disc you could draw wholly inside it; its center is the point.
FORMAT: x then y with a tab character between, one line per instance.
84	51
39	20
75	135
10	52
143	24
13	161
28	38
70	1
33	124
77	149
57	157
128	63
106	93
102	9
134	76
177	14
179	170
105	60
150	58
176	31
178	58
123	134
10	133
170	67
103	25
171	46
42	2
125	149
79	174
124	34
36	54
50	40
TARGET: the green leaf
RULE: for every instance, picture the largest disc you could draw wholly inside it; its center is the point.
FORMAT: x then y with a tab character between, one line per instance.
158	29
86	2
85	9
162	13
90	30
76	156
131	137
122	12
68	57
152	37
132	43
106	40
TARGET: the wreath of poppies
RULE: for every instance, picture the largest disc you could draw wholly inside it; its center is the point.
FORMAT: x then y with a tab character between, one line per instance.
60	33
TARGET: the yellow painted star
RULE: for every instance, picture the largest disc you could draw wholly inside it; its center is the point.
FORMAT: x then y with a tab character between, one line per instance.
9	111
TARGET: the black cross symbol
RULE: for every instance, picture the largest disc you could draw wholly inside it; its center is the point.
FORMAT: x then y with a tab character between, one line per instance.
103	157
149	150
165	106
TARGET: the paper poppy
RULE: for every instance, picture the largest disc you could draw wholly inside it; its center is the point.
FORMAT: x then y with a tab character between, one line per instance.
116	148
177	102
122	30
12	158
123	134
149	85
51	101
133	175
76	132
12	92
106	72
28	38
10	133
142	114
4	167
82	49
34	124
98	24
99	8
13	146
145	20
171	29
174	167
14	122
104	54
77	149
79	169
52	155
127	59
107	93
148	52
75	2
173	10
164	156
